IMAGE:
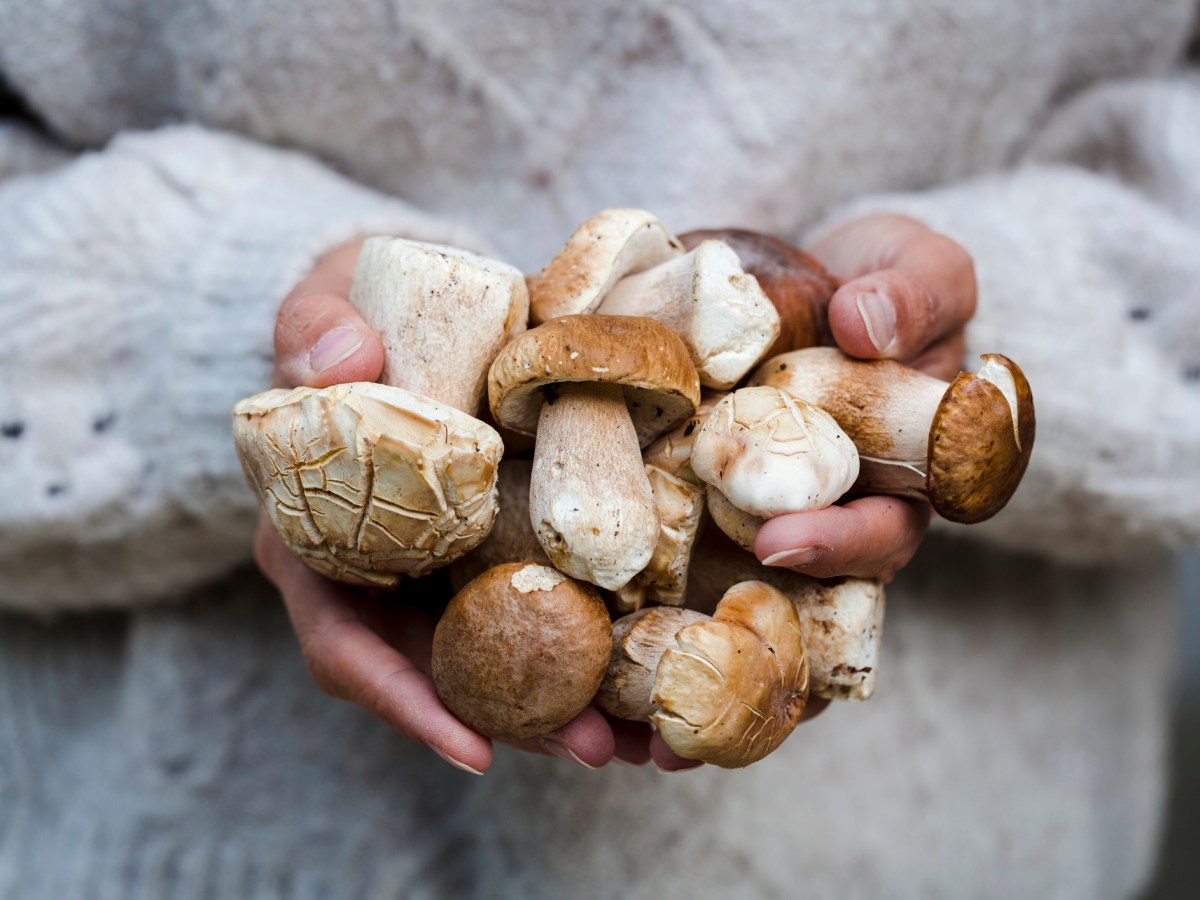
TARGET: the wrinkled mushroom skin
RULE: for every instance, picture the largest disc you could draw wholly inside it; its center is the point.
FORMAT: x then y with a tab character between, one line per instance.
732	689
367	482
520	651
794	281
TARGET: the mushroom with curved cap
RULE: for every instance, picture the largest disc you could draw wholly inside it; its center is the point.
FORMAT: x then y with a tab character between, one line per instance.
796	283
366	482
726	690
963	444
841	619
679	499
520	651
770	454
603	250
723	316
594	389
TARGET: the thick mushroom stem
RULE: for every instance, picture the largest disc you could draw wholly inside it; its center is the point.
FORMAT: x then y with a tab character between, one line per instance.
590	502
964	444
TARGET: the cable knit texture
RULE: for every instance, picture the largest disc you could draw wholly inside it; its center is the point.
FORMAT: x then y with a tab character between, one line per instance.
1015	746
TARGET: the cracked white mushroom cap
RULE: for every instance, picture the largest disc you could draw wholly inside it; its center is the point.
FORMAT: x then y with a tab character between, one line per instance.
367	482
726	690
442	313
772	454
521	650
722	314
603	250
964	444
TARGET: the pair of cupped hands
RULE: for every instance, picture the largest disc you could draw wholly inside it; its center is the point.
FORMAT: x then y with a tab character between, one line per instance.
906	294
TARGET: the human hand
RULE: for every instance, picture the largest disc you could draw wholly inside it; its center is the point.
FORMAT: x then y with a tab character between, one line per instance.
369	648
906	293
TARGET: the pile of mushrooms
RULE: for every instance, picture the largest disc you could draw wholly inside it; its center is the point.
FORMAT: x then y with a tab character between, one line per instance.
667	382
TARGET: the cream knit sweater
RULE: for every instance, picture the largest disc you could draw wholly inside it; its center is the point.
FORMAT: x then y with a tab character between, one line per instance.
1014	748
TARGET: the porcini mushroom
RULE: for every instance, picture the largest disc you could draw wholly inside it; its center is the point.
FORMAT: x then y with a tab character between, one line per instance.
841	619
963	444
796	283
603	250
772	454
367	482
723	316
594	389
726	690
679	499
520	651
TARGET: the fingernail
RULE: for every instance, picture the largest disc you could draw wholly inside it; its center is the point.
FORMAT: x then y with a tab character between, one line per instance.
879	317
562	751
454	762
334	346
802	557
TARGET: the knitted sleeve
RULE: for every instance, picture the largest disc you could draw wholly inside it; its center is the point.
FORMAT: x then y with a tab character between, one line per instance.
1088	260
138	289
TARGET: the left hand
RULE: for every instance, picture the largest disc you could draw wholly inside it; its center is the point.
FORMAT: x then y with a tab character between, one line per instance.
907	294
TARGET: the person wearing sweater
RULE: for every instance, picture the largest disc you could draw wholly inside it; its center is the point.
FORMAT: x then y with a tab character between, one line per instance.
190	165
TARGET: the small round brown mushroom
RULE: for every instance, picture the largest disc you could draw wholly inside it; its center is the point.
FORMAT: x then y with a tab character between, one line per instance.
964	444
794	281
521	651
594	389
727	690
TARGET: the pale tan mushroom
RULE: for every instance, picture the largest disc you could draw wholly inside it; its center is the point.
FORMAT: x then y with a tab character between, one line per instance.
726	690
603	250
723	316
841	619
520	651
368	482
964	444
442	313
679	499
594	389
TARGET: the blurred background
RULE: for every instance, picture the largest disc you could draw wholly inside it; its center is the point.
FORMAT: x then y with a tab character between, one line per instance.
1179	865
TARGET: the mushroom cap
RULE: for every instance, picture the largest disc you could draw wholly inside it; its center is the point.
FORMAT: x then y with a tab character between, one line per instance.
646	358
795	282
738	525
366	482
521	650
603	250
442	314
638	642
980	441
770	453
734	687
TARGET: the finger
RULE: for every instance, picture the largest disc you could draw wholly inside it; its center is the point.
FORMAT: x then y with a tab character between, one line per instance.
943	359
632	741
813	708
667	759
321	340
871	537
904	286
586	740
351	662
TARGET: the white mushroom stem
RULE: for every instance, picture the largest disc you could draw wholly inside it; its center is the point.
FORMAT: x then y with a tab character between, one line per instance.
705	297
590	502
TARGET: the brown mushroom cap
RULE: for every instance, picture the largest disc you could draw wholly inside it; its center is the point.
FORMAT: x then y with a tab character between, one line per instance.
521	650
734	687
980	441
794	281
644	357
367	482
